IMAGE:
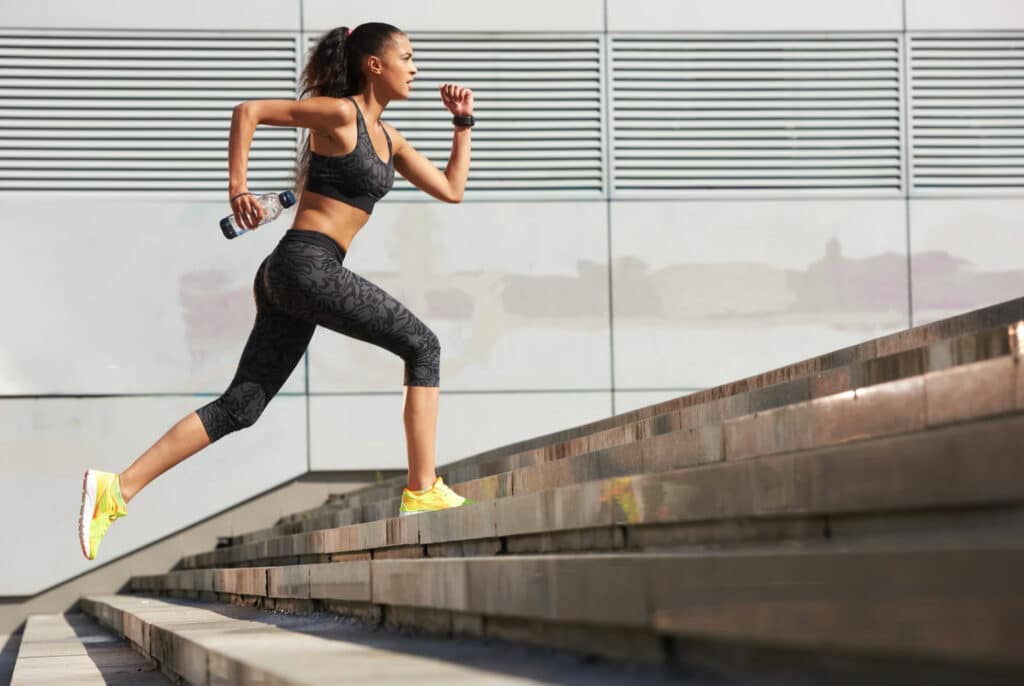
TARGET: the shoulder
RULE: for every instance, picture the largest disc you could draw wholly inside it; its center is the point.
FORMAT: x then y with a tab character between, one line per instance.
397	139
346	109
333	112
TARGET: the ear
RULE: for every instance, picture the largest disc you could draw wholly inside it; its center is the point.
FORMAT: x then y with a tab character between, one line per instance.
374	64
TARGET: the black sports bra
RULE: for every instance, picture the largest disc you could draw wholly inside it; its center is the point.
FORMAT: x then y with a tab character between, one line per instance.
360	177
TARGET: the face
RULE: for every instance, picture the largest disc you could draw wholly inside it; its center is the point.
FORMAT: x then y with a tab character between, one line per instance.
394	70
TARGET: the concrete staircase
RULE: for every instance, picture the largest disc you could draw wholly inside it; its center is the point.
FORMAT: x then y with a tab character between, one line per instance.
852	518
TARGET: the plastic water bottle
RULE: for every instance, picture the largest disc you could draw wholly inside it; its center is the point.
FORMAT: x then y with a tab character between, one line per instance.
273	205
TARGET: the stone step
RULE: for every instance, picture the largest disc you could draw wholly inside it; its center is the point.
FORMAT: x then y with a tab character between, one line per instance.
213	643
72	650
958	604
915	429
377	501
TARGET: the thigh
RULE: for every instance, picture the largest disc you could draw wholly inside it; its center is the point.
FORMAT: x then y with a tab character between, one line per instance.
356	307
275	345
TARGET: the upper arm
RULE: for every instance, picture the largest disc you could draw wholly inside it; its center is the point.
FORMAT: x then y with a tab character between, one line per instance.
418	169
320	113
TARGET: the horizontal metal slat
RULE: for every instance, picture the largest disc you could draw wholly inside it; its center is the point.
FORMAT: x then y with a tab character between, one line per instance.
709	113
195	93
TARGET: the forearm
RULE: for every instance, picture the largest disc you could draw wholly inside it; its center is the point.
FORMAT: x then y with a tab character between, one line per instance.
457	170
243	127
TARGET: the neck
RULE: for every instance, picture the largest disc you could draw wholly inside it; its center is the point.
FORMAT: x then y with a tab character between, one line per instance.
372	104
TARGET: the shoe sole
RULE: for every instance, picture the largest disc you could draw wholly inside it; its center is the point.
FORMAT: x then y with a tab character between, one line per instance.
85	514
416	512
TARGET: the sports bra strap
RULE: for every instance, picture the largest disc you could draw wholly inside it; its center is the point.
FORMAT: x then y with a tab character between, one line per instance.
387	137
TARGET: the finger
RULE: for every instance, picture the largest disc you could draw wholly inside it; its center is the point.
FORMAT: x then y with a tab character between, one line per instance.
250	215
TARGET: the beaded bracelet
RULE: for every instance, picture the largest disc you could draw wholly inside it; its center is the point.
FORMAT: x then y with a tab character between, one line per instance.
238	194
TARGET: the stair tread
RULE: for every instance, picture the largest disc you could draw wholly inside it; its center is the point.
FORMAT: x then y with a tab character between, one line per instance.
316	648
73	650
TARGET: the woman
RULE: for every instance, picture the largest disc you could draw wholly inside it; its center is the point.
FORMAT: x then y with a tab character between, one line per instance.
347	164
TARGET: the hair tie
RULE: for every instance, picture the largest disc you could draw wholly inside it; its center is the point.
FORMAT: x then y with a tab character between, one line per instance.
349	33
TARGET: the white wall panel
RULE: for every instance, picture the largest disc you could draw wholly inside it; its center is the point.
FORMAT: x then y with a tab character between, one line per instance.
755	15
709	292
517	293
927	15
109	294
224	15
458	15
627	401
47	444
366	431
966	254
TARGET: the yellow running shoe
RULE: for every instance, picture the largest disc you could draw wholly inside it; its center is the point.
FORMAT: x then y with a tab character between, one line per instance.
437	497
101	505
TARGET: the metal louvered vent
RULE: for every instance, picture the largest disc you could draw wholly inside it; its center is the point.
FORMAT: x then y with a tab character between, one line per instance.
755	114
537	102
967	111
118	111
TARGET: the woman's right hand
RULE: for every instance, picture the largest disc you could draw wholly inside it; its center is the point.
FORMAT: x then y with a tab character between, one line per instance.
247	211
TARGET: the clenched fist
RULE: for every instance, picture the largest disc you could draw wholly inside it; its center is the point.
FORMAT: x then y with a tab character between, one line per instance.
458	99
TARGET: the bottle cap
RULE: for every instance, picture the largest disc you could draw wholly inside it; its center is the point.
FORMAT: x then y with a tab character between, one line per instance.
226	228
287	199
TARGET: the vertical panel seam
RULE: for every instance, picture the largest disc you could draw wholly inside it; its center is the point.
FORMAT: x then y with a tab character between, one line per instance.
907	103
606	39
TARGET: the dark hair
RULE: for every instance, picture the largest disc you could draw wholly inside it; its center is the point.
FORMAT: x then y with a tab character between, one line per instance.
334	68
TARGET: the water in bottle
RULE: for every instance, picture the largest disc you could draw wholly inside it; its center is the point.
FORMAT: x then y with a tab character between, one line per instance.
272	203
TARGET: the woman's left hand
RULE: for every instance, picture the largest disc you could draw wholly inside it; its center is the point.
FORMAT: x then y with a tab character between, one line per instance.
458	99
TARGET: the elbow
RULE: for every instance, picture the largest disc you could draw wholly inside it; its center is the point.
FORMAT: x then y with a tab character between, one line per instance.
454	198
243	109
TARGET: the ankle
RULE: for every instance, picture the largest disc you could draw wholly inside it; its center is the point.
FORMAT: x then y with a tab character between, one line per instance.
421	484
124	488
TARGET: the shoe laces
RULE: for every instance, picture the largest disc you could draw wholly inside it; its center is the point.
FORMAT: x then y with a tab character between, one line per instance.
443	487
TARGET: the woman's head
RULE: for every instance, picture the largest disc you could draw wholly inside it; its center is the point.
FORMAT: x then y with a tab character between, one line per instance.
345	63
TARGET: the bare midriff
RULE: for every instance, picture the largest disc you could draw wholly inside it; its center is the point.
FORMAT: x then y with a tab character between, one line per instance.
337	219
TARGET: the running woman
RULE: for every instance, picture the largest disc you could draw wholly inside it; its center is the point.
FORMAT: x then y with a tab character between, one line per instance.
348	163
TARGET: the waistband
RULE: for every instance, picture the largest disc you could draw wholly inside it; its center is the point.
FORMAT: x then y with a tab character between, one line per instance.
316	238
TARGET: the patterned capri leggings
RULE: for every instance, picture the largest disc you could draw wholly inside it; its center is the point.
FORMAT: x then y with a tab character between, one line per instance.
300	284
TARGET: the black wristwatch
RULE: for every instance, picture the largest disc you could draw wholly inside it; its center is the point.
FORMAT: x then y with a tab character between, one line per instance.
463	120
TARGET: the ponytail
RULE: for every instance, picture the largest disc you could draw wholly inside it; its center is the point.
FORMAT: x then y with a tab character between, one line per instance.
335	69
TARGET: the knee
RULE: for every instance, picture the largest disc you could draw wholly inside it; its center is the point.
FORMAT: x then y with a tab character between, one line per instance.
246	403
423	366
239	407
